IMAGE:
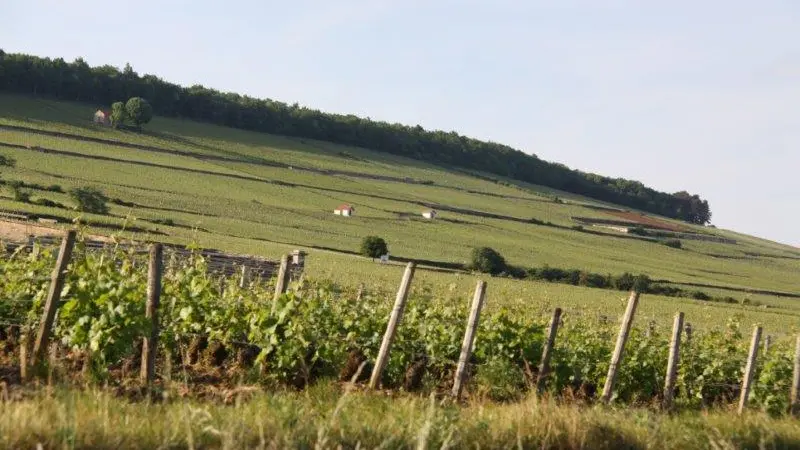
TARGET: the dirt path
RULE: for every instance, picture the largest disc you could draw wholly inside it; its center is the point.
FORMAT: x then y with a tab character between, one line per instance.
15	231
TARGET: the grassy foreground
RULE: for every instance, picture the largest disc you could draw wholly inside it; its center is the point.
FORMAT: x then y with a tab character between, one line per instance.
324	417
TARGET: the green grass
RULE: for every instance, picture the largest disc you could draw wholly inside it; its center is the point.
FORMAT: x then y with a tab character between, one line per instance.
242	205
323	417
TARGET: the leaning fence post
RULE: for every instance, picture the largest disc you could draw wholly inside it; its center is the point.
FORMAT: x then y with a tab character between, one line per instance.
53	297
150	344
750	369
391	328
795	395
622	338
547	352
469	338
282	282
674	357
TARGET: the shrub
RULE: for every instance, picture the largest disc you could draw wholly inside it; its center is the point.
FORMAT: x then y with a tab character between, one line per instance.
48	202
374	247
19	194
578	227
516	272
639	230
54	188
627	282
119	201
167	222
549	273
700	295
674	243
89	200
7	161
595	280
487	260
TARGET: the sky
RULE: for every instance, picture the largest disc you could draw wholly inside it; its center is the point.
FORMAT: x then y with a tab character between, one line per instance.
702	96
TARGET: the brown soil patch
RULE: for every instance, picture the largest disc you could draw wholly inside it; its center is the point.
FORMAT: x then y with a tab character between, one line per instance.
19	231
646	220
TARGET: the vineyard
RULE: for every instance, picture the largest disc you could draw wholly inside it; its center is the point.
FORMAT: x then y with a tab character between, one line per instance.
215	330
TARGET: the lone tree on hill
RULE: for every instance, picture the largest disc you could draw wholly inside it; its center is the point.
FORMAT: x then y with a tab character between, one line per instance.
136	112
374	247
139	111
488	260
118	114
89	200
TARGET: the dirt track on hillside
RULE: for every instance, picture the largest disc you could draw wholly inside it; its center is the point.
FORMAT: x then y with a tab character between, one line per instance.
20	231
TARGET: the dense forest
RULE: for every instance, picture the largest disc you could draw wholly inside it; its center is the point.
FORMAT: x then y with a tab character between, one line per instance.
103	85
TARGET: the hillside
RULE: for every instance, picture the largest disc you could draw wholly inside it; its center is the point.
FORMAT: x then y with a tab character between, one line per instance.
104	85
258	193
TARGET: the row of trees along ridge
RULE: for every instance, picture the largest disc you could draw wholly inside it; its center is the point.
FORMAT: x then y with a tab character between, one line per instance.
77	81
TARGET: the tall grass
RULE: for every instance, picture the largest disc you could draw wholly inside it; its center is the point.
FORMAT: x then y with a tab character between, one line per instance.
323	417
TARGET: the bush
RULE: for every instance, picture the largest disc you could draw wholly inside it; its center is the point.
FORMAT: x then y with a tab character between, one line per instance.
487	260
595	280
639	230
578	228
17	191
674	243
549	273
89	200
167	222
515	272
374	247
54	188
700	295
7	161
119	201
48	202
627	282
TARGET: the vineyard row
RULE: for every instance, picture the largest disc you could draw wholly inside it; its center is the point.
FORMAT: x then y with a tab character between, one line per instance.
108	308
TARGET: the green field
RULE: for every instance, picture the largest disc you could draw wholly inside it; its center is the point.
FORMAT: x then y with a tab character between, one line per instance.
260	194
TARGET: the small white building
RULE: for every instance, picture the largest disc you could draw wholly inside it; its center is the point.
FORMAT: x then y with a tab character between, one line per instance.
102	117
344	210
430	214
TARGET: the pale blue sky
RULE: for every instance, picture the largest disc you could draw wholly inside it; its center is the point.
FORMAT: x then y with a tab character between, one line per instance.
699	95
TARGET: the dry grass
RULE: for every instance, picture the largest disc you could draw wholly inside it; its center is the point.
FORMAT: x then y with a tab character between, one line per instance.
324	417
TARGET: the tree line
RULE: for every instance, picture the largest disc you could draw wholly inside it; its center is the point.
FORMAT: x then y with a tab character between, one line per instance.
103	85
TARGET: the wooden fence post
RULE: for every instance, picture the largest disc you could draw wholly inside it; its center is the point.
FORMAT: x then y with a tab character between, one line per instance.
767	342
795	394
391	328
469	338
53	297
24	357
750	369
150	344
245	277
547	351
282	282
674	357
622	338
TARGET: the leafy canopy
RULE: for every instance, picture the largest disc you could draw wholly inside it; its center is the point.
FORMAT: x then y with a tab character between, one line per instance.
374	247
488	260
138	111
89	200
